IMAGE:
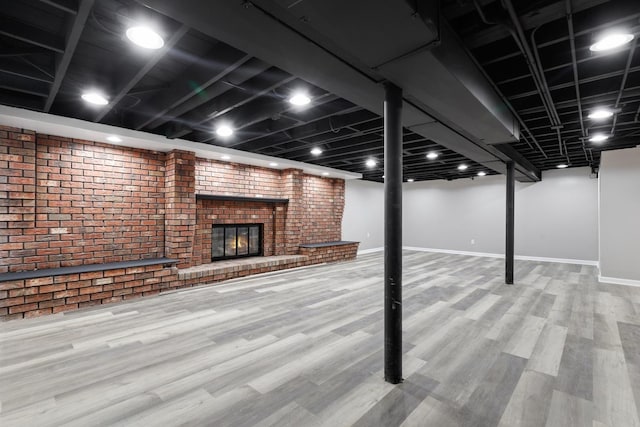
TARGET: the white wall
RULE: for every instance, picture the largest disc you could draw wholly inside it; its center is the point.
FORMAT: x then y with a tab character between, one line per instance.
555	218
363	219
620	214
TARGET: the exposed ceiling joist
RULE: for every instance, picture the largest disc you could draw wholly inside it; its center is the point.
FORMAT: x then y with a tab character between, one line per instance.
132	81
204	72
73	36
29	34
69	6
529	21
241	71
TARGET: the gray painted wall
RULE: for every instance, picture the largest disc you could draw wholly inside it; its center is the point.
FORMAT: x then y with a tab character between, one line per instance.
363	219
620	214
555	218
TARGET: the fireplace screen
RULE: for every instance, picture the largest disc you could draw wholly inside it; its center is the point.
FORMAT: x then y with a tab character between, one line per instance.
235	241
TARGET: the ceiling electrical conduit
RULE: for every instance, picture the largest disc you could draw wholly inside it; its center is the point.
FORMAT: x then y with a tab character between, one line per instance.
623	84
495	86
535	68
576	79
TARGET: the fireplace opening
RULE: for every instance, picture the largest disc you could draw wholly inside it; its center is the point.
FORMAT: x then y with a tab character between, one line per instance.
230	241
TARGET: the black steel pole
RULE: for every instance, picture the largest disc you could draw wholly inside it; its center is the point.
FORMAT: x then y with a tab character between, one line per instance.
393	234
509	255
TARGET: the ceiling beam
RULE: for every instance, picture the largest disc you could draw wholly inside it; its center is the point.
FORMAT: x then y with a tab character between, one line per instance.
69	6
31	35
139	75
203	72
73	36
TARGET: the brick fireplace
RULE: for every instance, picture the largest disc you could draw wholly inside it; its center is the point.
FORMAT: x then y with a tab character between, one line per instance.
87	205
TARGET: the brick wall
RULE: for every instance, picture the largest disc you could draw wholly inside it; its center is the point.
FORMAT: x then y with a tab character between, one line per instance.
80	202
322	208
67	202
180	223
233	179
17	200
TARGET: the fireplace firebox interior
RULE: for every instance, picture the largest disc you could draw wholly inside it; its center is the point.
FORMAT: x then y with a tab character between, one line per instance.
230	241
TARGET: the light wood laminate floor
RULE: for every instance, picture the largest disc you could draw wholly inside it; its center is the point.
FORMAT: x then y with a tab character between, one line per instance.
304	348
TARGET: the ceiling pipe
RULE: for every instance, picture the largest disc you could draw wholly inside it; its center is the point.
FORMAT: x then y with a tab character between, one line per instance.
533	61
623	84
495	86
576	79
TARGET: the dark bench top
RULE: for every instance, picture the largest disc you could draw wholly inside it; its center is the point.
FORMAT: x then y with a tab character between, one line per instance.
34	274
325	244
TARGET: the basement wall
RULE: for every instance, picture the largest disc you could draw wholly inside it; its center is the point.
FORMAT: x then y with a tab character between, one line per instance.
620	216
556	218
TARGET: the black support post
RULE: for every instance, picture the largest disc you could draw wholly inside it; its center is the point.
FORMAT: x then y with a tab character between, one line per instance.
509	255
393	234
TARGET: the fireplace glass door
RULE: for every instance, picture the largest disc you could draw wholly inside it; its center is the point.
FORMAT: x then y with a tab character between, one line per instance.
236	241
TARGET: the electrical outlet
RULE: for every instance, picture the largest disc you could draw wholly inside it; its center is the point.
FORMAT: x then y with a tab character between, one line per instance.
473	241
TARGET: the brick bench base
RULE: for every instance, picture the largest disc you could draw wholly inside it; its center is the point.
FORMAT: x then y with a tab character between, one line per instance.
329	251
52	294
37	293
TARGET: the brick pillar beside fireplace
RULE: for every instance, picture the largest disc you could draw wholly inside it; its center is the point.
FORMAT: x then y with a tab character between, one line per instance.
180	213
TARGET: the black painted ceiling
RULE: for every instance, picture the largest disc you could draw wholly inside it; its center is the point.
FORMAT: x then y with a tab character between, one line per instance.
53	50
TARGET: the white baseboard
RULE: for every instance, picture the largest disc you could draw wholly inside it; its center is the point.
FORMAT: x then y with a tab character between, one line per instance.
518	257
617	281
370	251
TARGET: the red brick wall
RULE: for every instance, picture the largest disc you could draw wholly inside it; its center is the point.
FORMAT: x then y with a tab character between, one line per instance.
180	225
94	203
17	200
66	202
322	205
233	179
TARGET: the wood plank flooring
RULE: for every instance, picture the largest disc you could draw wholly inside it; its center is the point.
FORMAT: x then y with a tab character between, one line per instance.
305	348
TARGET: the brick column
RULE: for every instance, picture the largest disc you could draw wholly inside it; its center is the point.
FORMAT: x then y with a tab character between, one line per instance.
292	189
17	199
180	212
338	205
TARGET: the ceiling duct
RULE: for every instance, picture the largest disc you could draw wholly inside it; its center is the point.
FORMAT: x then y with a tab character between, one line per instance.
350	47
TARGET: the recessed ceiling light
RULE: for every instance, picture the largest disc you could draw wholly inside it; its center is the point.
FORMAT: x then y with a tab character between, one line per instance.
562	166
325	173
600	113
462	167
599	137
224	130
225	157
432	155
482	173
95	98
371	163
611	41
316	151
410	180
273	164
145	37
300	99
114	138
